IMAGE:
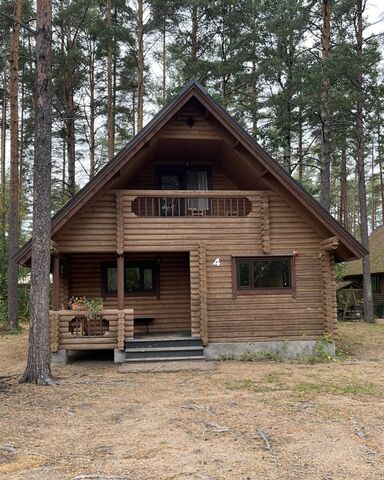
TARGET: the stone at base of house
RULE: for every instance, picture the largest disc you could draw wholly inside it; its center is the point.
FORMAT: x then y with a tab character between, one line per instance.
379	321
289	349
59	358
118	356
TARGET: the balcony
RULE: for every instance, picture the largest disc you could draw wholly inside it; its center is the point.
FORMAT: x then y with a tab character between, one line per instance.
188	203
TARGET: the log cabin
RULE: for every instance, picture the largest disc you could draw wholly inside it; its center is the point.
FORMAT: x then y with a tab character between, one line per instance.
200	245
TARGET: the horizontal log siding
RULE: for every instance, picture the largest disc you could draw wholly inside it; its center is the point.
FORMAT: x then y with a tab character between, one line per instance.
247	317
93	230
180	126
171	311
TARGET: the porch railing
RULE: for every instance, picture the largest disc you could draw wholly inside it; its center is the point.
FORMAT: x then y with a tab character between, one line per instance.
72	330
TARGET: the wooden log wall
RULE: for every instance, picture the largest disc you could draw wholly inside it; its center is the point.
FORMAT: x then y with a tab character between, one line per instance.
245	318
328	265
203	293
120	329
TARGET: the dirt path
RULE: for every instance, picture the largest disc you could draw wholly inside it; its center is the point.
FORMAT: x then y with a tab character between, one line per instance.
243	421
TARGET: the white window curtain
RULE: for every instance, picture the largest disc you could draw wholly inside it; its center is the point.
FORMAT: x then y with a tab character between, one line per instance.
197	180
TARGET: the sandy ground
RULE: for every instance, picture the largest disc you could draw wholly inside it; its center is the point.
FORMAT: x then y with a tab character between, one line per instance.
248	421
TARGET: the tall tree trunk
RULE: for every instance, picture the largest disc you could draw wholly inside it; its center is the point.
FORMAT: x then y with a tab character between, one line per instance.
64	196
70	136
38	366
325	170
343	186
380	160
92	109
193	67
300	146
110	111
140	65
13	222
367	287
164	62
373	202
254	94
3	211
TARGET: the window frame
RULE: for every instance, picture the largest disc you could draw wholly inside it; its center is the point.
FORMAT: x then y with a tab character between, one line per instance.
181	171
154	292
239	291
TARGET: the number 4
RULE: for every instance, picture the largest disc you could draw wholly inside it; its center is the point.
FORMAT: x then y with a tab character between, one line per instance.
217	262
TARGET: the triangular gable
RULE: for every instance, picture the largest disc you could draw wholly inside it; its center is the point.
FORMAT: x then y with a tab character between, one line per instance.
245	147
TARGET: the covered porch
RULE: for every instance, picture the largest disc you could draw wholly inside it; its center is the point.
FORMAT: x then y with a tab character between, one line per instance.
144	295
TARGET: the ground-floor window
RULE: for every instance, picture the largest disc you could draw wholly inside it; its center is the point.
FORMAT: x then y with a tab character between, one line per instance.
261	274
139	278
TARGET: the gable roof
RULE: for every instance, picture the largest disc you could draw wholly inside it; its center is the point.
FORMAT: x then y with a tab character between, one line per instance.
376	255
194	90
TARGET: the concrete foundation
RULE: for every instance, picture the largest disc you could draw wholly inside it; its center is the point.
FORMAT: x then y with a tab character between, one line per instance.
59	358
118	356
264	350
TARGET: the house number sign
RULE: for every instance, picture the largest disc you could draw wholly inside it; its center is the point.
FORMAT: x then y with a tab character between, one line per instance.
216	262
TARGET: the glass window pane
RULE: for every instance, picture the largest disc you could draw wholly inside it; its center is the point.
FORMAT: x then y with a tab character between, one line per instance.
132	279
111	280
244	274
271	274
148	278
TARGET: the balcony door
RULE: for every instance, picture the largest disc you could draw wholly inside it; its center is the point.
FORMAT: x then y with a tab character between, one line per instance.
180	178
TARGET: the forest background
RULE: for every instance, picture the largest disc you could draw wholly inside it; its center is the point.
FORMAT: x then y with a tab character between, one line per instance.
304	78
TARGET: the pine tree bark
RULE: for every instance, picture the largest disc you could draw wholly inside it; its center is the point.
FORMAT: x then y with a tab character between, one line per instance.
70	135
367	287
164	62
193	67
38	366
110	110
325	170
343	217
3	211
13	222
140	65
92	109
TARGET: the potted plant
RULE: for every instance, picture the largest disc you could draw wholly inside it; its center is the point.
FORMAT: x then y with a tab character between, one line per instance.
77	303
94	307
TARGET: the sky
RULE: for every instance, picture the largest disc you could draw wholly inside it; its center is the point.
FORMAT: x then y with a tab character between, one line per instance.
375	13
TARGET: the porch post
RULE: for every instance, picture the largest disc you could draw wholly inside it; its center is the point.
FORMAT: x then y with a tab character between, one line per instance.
56	283
120	282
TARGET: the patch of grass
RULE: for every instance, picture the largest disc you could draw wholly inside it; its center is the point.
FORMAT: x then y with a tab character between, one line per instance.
272	377
4	330
261	356
334	389
251	386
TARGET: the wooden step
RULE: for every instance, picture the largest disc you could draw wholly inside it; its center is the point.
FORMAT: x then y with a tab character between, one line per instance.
166	359
164	348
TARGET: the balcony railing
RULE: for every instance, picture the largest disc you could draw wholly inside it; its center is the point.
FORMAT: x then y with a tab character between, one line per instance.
190	203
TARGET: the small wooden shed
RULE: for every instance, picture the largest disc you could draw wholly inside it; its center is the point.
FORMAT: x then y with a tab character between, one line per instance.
354	270
194	232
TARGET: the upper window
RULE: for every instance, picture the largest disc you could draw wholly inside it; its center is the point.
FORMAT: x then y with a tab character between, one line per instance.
139	278
261	273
